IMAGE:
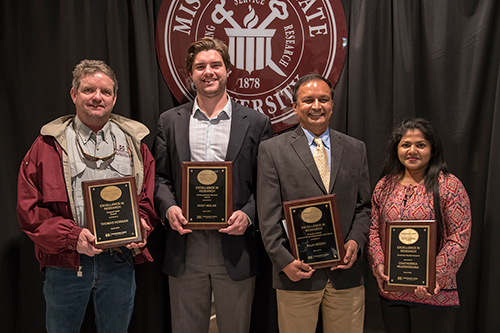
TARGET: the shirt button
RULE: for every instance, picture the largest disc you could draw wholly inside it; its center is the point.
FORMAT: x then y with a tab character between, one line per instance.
70	247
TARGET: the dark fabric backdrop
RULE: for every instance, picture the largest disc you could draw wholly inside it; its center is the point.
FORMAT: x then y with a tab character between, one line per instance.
436	59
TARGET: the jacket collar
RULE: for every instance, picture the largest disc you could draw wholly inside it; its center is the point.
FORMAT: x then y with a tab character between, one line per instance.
57	128
239	129
301	147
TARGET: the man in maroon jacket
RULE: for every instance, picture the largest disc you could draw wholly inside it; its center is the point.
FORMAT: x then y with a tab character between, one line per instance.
93	145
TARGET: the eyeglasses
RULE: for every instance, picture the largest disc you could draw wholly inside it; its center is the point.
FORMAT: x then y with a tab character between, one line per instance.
93	158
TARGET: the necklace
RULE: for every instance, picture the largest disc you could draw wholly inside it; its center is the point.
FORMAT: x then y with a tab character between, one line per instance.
93	158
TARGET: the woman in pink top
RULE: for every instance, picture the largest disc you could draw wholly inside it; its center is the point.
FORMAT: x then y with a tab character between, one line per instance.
416	185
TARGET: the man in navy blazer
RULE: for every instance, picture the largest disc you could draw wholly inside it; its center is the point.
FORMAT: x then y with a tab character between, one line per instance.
199	262
287	171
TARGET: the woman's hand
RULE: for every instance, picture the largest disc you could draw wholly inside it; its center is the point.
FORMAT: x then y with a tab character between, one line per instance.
378	272
422	292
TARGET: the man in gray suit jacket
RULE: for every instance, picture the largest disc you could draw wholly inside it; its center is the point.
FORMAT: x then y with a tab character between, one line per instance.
211	128
287	171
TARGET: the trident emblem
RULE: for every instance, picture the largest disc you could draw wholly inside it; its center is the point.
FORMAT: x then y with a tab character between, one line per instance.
249	47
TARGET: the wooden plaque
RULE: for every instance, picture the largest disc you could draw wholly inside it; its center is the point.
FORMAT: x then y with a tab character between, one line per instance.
207	196
112	211
410	255
314	231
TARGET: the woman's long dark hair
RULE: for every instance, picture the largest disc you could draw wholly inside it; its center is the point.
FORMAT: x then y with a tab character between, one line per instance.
394	168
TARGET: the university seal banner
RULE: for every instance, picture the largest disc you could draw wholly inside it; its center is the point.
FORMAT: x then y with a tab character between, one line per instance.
271	43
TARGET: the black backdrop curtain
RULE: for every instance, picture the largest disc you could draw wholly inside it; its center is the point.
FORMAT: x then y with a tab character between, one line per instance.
436	59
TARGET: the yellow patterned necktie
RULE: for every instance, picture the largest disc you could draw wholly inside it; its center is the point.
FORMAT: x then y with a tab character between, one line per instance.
321	160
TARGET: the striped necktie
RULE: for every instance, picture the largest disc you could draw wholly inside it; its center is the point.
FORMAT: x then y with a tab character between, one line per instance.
321	159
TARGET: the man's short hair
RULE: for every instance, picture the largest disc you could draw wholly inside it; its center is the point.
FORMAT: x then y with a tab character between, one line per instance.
88	67
307	78
207	44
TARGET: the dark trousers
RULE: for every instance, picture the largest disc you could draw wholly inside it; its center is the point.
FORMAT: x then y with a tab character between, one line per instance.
415	318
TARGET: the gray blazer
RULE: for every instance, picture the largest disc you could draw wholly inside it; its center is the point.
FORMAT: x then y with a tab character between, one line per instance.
286	171
248	129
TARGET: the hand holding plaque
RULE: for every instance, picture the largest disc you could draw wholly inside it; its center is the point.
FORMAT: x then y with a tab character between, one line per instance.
410	255
207	197
314	231
112	211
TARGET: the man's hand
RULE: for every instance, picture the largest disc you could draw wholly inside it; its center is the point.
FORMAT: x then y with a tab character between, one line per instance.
84	243
351	255
237	224
177	221
145	228
297	270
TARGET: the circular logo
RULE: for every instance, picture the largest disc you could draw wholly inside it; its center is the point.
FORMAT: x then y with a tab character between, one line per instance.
206	177
311	215
408	236
111	193
272	43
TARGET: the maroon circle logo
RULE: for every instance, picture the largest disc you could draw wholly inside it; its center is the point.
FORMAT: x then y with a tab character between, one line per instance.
272	43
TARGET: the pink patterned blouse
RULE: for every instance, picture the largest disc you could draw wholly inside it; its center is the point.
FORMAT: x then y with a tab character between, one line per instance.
388	204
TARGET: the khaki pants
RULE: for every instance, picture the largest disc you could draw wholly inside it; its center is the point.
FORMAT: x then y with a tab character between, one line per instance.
343	311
